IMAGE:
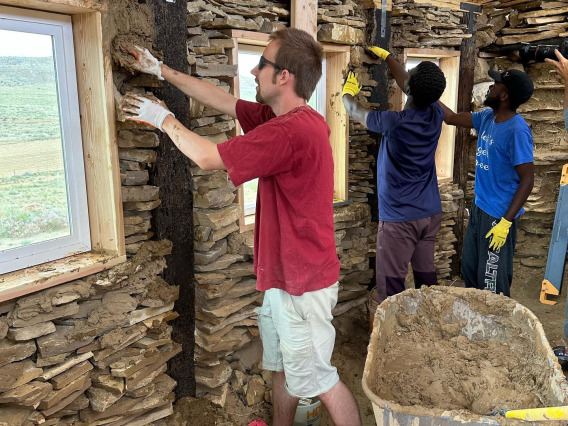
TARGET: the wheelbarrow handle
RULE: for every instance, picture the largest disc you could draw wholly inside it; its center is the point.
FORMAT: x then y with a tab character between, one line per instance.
536	414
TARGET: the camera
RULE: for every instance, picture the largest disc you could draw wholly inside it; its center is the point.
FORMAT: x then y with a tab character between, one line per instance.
540	52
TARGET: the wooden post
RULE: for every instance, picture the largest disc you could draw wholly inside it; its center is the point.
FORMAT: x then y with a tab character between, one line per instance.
304	15
463	146
173	220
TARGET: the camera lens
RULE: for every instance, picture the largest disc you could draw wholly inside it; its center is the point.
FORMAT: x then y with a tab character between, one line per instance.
543	52
537	53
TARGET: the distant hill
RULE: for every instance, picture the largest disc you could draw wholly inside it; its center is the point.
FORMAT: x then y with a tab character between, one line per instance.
29	107
21	71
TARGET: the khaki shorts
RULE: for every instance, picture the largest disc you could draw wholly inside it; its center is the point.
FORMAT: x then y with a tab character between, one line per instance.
298	338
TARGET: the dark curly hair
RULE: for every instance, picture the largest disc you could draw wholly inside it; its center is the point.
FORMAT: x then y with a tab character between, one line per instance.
427	84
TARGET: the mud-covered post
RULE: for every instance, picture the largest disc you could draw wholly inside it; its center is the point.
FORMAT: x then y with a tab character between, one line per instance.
461	157
173	220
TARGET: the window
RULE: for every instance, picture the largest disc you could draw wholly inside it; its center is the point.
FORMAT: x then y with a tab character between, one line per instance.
448	61
43	200
60	200
247	51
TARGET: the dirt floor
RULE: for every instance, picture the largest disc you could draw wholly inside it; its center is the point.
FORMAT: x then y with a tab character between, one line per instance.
349	358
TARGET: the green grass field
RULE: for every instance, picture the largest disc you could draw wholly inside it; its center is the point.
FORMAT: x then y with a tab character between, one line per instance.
33	208
29	108
33	194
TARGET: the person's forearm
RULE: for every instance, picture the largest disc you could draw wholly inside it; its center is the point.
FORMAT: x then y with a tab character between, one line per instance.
397	71
355	110
519	199
202	151
202	91
565	94
463	119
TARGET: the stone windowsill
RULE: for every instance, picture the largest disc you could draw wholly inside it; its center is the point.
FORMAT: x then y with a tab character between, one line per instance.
19	283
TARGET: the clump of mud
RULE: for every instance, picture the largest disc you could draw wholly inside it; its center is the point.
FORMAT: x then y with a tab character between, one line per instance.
462	349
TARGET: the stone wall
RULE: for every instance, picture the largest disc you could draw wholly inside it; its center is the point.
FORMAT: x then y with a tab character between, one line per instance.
94	350
225	284
417	25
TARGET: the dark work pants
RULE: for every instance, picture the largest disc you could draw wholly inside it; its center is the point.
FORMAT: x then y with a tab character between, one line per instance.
483	268
400	243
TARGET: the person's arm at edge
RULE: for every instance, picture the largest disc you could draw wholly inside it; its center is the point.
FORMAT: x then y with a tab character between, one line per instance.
398	72
462	119
202	151
202	91
561	66
355	110
526	176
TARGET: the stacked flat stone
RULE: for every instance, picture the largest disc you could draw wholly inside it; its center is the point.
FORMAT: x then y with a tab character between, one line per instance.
510	23
340	22
91	351
136	151
415	25
444	250
250	15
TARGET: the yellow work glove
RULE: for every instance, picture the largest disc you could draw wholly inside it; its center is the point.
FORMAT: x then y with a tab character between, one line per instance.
499	233
379	51
351	85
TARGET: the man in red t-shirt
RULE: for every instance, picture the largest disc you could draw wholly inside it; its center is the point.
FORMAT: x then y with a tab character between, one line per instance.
285	145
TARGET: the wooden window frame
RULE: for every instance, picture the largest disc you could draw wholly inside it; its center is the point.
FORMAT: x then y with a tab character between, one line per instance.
337	58
100	153
59	29
450	65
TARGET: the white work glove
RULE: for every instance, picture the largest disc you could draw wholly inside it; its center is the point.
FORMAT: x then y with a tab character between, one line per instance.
146	62
144	110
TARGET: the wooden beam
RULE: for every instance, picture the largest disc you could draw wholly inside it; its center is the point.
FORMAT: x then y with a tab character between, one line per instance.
336	117
463	145
246	223
96	104
446	146
173	220
304	16
25	281
67	7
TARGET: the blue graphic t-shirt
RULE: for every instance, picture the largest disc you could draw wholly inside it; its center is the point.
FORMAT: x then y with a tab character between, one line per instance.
406	169
500	147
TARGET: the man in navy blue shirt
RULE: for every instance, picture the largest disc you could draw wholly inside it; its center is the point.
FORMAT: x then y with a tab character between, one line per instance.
410	210
504	178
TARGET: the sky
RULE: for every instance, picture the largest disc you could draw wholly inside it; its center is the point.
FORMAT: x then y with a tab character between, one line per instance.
16	43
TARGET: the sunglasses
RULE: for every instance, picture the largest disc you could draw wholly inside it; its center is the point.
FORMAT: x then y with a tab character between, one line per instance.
263	62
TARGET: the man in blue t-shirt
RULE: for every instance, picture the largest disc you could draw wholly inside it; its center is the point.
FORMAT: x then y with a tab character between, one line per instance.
410	210
504	177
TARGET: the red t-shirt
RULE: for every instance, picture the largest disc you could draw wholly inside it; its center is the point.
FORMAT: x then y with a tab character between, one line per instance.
294	245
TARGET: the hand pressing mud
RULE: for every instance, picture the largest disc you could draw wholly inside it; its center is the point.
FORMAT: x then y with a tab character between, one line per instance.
140	59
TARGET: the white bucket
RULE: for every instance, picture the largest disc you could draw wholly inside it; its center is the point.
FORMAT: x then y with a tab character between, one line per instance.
308	412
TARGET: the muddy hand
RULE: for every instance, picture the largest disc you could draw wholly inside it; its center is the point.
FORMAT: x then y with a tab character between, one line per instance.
561	65
144	110
145	62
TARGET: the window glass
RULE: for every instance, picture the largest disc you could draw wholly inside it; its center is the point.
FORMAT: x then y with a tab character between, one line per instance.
248	59
33	193
43	206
